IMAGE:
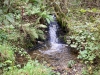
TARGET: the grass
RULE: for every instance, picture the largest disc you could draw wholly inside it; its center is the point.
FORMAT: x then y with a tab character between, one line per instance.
6	52
31	68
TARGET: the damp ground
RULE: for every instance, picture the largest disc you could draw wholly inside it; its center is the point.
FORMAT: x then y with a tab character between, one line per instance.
60	58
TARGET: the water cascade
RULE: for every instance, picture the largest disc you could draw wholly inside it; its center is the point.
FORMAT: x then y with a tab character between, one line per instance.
53	27
55	45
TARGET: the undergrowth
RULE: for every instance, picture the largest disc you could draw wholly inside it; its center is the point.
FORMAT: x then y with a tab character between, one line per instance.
31	68
84	34
23	21
8	65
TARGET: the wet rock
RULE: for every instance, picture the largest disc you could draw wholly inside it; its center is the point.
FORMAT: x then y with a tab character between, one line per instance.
40	42
56	59
74	50
66	45
68	38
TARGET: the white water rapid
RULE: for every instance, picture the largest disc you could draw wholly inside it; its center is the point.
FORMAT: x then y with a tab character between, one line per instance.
55	46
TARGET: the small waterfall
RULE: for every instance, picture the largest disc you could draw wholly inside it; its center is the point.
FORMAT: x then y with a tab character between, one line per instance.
53	28
55	46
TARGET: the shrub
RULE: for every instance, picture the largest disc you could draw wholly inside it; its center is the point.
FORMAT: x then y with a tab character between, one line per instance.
31	68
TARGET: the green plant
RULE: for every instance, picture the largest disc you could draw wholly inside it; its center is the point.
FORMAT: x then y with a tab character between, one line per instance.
6	52
84	36
97	72
84	43
3	36
6	8
84	33
22	53
31	68
71	63
85	72
14	14
39	9
7	57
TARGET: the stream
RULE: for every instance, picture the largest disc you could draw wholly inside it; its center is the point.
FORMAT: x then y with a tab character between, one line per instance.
57	55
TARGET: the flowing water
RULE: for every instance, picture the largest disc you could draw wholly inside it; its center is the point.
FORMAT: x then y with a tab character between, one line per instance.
56	54
54	42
